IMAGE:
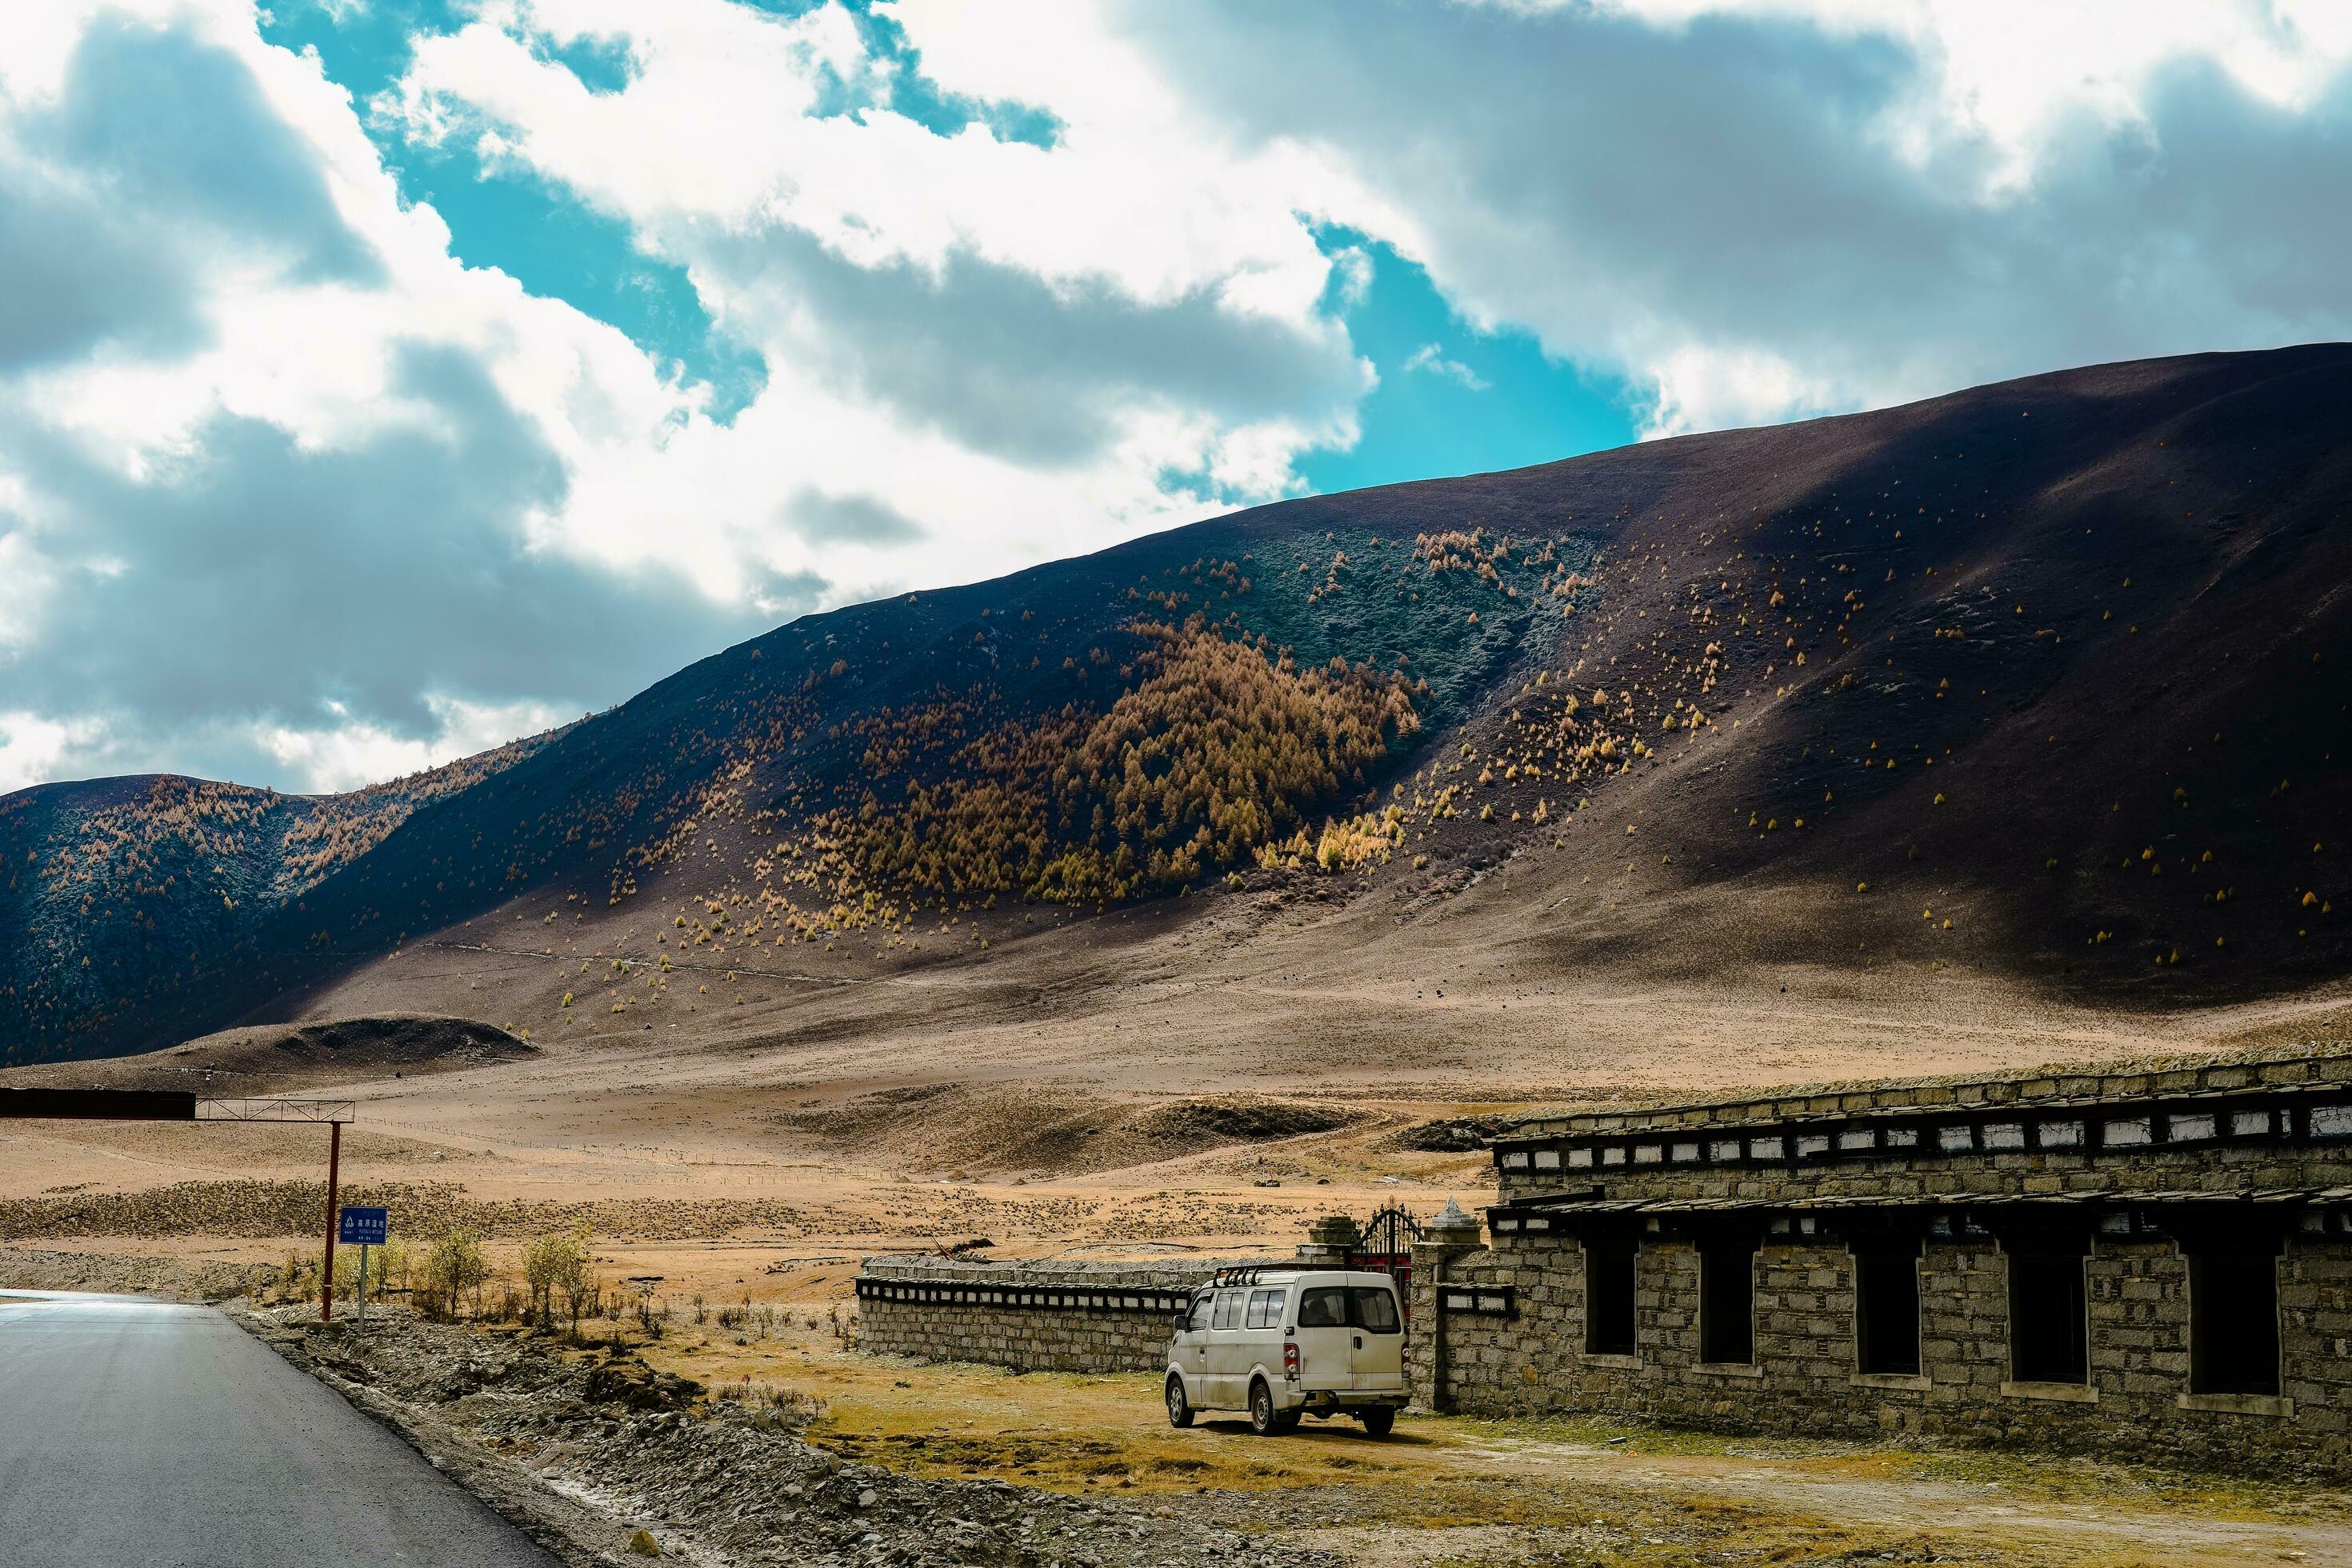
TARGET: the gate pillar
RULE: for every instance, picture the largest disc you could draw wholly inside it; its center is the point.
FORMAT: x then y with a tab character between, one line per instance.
1331	1242
1451	1234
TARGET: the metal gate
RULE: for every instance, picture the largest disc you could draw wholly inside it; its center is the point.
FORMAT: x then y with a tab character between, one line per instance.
1384	1245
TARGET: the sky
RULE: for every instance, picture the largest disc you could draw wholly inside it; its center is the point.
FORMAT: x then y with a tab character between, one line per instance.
383	379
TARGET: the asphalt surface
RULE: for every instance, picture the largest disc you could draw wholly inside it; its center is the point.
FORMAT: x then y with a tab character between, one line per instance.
133	1432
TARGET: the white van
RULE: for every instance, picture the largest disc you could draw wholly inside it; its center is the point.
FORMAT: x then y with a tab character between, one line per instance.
1285	1342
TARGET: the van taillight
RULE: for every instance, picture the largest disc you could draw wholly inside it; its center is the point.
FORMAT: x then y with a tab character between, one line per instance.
1290	1360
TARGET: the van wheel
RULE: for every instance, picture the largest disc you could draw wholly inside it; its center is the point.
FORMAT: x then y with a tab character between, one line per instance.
1379	1421
1264	1420
1180	1409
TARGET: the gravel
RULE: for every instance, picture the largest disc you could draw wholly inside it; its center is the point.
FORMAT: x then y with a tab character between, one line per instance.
585	1451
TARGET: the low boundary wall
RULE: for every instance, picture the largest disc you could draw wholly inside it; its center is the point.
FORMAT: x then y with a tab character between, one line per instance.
1050	1316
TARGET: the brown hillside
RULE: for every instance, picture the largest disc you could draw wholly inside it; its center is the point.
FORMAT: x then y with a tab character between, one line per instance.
2033	690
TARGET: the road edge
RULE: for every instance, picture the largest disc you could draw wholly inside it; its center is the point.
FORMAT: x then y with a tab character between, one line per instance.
577	1534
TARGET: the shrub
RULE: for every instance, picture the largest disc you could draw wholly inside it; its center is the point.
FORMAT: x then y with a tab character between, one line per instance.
552	1264
455	1268
779	1405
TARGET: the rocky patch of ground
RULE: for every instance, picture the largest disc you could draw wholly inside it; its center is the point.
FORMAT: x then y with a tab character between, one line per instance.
167	1277
243	1208
587	1450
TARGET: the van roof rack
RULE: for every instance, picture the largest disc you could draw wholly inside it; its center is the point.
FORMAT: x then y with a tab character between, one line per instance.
1248	1274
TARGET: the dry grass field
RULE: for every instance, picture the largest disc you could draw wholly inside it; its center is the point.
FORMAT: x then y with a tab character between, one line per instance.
1208	1083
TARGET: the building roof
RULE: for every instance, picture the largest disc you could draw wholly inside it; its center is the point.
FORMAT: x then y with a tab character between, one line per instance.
1557	1204
2057	1086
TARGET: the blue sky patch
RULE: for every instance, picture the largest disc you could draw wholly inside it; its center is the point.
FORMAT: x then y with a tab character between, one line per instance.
603	65
1453	400
914	94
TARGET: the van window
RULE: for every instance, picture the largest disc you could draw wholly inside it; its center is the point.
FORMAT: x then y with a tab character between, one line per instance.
1370	1306
1323	1308
1229	1310
1199	1319
1265	1308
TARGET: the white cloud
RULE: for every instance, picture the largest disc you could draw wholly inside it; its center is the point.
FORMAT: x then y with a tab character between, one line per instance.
348	755
32	747
2010	70
876	188
296	486
289	469
1430	359
1759	209
1699	390
1014	345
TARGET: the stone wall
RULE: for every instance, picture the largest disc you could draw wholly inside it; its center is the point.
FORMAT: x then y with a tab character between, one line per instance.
1031	1317
1804	1379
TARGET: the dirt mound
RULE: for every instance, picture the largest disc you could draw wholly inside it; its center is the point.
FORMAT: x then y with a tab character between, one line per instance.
942	1128
272	1058
1239	1118
1045	1131
865	1116
1448	1135
404	1042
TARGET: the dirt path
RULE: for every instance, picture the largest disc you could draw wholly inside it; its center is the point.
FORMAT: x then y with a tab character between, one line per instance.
2019	1513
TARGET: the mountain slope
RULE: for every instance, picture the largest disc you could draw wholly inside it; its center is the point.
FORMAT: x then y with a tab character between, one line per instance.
2043	679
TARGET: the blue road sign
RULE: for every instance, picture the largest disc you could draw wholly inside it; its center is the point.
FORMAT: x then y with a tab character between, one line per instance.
365	1227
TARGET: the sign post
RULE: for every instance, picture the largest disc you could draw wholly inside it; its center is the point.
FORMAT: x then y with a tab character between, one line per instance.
364	1229
327	1272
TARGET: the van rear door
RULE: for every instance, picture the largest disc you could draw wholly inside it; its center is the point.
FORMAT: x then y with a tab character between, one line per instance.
1326	1355
1376	1345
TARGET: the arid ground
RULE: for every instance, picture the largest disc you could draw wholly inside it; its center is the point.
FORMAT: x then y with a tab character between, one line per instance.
1197	1094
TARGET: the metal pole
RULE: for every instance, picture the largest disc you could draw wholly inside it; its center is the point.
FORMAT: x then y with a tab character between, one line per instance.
364	1255
334	1168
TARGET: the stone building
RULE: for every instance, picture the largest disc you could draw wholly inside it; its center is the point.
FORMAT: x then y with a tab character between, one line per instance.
2146	1264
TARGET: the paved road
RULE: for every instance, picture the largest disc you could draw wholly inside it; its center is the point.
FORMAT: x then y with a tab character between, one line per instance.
136	1433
